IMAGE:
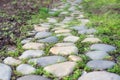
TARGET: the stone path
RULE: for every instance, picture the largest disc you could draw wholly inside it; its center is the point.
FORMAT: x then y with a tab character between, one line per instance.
62	56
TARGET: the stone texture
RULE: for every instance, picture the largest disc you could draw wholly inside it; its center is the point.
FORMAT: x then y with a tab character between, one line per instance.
64	34
48	60
97	54
31	54
5	72
44	34
33	45
27	40
100	64
61	69
33	77
51	39
63	31
11	61
79	28
100	75
39	28
102	47
92	40
25	69
64	50
71	39
75	58
64	44
52	20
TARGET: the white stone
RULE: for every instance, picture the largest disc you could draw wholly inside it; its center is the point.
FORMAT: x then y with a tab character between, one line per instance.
33	45
92	40
64	50
39	28
71	39
100	75
64	44
75	58
61	69
63	31
11	61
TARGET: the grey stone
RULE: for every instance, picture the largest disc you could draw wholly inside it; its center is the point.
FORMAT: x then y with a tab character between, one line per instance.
44	34
31	54
61	69
24	41
33	77
71	39
79	28
100	64
48	60
100	75
102	47
25	69
51	39
97	54
5	72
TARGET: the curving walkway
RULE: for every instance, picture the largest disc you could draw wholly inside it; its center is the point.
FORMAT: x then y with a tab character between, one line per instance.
53	46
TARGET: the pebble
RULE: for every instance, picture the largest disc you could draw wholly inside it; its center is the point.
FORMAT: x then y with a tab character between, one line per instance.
95	55
100	64
12	61
44	34
64	50
51	39
40	29
31	54
63	31
33	45
27	40
100	75
25	69
33	77
64	44
61	69
5	72
47	60
102	47
71	39
92	40
75	58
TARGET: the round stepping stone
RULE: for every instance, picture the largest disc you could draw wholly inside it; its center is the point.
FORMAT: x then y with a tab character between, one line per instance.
33	45
33	77
39	28
71	39
102	47
11	61
63	31
51	39
97	54
44	34
31	54
75	58
78	28
64	34
25	69
64	44
100	75
64	50
48	60
100	64
5	72
92	40
52	20
24	41
61	69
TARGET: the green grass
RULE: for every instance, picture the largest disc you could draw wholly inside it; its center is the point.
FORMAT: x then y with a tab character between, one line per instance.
105	17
